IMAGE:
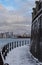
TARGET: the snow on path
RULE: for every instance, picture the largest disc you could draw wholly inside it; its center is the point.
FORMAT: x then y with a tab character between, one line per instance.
20	56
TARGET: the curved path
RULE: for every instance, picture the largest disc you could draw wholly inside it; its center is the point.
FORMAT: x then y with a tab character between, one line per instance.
20	56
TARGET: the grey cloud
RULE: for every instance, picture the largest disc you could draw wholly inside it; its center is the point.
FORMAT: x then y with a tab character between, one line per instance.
16	28
17	21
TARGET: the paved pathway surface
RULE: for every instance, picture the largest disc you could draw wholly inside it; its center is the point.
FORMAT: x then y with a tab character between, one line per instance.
20	56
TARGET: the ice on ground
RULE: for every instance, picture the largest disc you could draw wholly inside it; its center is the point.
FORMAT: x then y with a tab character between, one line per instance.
20	56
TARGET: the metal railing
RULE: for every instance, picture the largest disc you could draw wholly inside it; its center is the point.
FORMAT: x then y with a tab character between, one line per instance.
9	46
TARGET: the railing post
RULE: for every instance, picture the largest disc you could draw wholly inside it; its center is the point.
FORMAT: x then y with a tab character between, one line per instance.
7	47
1	60
4	55
17	44
6	51
22	43
10	46
28	42
25	42
3	52
13	45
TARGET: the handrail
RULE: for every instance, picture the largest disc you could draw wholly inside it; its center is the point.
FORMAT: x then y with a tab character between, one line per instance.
9	46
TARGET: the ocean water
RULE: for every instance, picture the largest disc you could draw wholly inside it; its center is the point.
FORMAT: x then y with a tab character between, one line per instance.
4	41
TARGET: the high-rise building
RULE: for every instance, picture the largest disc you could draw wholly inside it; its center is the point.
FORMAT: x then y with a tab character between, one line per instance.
36	31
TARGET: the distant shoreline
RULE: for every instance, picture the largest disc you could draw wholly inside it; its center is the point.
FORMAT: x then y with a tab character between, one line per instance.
15	38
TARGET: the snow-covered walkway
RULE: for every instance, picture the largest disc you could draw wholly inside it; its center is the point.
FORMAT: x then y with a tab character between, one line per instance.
20	56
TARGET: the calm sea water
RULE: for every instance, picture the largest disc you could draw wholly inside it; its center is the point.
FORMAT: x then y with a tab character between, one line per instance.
8	40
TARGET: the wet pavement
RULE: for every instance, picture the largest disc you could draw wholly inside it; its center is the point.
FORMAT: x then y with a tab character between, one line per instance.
20	56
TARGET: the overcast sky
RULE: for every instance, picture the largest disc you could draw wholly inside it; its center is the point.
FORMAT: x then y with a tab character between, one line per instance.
15	15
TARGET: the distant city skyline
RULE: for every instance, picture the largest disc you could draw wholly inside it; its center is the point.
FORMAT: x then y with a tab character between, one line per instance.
15	15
